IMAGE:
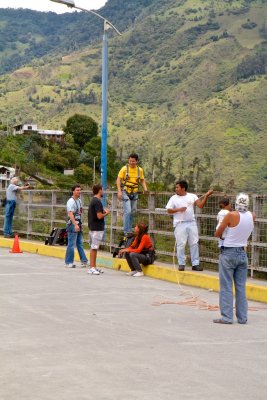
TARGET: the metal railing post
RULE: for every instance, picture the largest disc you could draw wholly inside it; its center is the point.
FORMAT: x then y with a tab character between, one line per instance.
53	209
255	237
29	213
113	218
151	209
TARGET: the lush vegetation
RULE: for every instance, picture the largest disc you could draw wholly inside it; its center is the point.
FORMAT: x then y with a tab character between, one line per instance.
45	160
187	85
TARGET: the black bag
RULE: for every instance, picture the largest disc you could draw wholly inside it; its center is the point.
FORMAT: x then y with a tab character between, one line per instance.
3	202
150	255
57	236
125	242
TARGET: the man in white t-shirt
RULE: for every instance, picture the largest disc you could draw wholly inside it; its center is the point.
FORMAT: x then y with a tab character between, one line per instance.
181	205
225	207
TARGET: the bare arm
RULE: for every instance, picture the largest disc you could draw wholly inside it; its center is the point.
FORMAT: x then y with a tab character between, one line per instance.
27	186
175	210
101	215
119	188
230	220
223	225
203	199
143	183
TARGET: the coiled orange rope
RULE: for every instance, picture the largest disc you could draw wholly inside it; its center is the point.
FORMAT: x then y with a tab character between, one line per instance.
190	299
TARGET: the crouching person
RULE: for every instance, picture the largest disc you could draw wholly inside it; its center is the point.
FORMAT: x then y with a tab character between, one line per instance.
141	251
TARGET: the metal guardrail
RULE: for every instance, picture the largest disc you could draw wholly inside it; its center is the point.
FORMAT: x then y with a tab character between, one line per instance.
39	211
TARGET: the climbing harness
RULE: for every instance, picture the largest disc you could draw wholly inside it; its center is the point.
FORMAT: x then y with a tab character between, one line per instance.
129	187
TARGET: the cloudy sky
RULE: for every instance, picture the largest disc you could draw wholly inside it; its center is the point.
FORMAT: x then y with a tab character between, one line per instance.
47	5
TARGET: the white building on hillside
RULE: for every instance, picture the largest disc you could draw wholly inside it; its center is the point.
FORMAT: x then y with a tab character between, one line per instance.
24	129
6	173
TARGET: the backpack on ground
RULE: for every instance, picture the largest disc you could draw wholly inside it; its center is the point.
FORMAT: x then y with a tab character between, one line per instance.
57	236
150	255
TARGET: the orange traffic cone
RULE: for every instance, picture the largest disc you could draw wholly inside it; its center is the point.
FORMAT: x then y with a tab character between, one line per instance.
16	248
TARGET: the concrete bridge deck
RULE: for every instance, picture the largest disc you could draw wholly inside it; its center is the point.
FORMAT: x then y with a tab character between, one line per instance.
66	335
256	289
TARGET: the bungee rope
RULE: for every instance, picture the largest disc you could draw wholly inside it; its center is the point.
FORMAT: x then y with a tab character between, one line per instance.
190	299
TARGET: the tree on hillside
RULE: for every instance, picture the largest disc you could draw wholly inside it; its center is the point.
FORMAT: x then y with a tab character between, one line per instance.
33	145
55	161
93	150
72	156
84	174
82	128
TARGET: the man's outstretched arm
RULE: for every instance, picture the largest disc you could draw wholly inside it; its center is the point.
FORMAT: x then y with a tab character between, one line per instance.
203	199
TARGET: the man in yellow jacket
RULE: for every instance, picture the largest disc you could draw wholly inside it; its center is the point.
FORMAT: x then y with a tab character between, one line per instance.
129	178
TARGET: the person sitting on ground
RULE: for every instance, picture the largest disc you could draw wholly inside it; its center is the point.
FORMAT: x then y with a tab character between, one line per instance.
140	251
225	207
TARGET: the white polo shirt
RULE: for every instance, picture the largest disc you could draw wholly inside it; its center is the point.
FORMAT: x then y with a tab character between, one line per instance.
187	201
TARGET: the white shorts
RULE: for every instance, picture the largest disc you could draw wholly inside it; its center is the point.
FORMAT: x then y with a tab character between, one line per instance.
95	238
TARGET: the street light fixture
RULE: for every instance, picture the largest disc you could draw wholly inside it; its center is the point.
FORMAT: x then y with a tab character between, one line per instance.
69	3
104	129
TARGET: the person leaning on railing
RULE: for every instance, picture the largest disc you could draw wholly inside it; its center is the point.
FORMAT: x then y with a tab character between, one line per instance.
129	178
10	205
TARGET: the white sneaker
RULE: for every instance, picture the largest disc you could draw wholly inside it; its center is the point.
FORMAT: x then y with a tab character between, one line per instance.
93	271
70	265
131	273
138	274
84	264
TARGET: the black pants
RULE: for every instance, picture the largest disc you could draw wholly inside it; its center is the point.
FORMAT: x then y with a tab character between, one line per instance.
134	260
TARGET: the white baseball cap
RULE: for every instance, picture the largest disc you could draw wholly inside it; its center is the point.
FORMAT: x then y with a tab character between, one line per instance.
242	202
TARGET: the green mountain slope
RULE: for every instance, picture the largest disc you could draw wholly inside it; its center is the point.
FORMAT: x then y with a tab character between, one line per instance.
27	34
187	89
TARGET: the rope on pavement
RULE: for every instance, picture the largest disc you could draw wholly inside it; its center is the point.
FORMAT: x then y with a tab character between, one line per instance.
190	299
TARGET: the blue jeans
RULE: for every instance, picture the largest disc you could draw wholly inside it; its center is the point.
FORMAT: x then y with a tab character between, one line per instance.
9	213
74	239
233	266
187	231
129	208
